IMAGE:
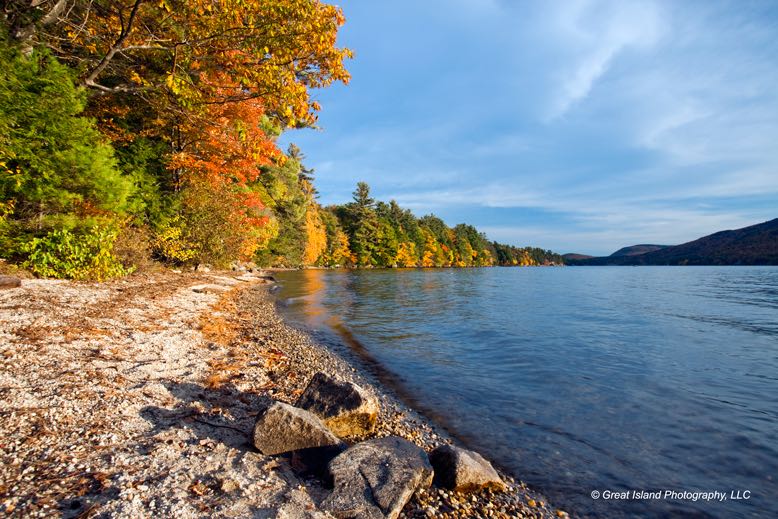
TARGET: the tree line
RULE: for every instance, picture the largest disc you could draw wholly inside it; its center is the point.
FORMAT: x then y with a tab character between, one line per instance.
367	233
139	130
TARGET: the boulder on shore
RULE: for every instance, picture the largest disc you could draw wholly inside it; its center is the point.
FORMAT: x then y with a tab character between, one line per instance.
376	478
9	282
226	281
463	470
281	428
257	278
346	408
210	289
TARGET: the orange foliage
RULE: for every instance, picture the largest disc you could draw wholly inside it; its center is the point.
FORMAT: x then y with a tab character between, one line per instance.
273	49
227	144
222	151
316	236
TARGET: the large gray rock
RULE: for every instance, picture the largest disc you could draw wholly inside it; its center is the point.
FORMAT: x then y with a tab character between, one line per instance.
463	470
9	282
226	281
210	289
281	428
257	278
346	408
376	478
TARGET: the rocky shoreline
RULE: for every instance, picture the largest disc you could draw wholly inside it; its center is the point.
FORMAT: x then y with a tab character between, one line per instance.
139	398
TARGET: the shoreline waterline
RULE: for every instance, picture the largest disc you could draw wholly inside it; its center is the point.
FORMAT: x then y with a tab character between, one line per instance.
345	344
346	348
152	385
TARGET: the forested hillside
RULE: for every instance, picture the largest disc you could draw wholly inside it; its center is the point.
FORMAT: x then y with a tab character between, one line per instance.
138	130
752	245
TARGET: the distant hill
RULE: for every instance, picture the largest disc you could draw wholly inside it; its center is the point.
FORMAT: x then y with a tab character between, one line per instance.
754	245
572	256
634	250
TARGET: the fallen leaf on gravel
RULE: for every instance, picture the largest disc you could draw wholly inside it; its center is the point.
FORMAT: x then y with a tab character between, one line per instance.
198	488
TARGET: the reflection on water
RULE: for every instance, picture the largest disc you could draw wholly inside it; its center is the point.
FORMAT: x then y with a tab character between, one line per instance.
579	379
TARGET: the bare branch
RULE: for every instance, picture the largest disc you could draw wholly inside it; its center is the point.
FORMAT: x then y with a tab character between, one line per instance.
53	15
122	88
116	47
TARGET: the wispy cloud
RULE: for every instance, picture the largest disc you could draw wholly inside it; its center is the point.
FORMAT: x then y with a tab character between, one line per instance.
597	32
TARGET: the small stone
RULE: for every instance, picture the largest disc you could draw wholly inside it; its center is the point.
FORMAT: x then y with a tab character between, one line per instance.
229	485
463	470
7	282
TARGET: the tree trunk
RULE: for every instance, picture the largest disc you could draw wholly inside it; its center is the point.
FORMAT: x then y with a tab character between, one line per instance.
26	34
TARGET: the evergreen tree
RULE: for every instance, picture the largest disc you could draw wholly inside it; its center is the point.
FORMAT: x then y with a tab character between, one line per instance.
53	162
361	223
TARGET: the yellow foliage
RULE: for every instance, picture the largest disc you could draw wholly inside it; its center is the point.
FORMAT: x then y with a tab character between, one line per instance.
316	236
170	245
260	237
427	260
341	253
406	255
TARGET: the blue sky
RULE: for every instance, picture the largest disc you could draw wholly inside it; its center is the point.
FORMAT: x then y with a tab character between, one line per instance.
579	126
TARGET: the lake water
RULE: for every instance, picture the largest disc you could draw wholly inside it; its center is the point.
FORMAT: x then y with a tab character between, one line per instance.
580	378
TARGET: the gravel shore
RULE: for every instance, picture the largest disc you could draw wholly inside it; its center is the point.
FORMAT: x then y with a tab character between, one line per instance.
136	398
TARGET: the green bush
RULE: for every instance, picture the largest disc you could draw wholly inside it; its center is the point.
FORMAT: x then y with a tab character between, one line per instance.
6	209
84	255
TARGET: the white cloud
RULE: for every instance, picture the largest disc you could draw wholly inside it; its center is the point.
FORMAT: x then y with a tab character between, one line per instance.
596	33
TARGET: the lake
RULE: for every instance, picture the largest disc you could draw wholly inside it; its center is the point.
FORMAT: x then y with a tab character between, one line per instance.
579	379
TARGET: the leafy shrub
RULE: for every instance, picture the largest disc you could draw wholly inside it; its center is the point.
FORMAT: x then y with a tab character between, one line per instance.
6	209
170	245
133	248
215	225
85	255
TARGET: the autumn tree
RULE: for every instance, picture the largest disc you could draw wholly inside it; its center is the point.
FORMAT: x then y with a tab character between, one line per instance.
315	236
275	50
338	252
